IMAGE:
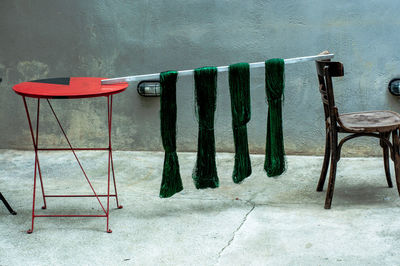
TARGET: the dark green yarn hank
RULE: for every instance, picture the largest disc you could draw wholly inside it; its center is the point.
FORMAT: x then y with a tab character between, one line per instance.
239	87
205	172
274	163
171	179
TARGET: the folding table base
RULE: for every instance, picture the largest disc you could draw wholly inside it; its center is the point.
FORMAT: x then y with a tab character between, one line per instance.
7	205
35	139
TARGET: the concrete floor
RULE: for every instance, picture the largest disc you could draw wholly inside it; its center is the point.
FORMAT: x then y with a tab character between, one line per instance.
264	221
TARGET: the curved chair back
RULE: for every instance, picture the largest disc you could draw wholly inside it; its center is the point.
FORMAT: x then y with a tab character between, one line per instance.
326	70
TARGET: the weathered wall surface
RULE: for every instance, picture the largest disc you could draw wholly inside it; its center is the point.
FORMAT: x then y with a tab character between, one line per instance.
50	38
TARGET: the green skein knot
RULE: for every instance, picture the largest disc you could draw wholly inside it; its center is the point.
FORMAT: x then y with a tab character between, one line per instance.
205	171
274	163
239	87
171	179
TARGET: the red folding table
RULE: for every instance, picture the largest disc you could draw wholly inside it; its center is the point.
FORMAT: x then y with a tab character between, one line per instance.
70	88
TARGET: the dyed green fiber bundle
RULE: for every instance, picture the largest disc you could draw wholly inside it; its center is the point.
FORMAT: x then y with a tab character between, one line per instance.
239	87
171	179
205	172
274	163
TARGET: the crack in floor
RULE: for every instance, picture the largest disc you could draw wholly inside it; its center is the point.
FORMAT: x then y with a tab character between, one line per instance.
253	206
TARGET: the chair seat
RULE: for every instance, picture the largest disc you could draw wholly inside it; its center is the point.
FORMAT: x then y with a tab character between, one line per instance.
370	121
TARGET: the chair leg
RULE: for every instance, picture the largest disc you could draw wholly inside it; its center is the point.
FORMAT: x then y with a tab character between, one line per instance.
7	205
332	173
396	143
325	164
386	159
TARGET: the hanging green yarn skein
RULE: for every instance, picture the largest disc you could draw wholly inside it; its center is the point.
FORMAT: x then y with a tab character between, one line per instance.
274	163
171	179
205	171
239	87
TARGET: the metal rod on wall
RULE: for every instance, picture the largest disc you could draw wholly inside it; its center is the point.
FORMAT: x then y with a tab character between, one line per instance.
156	76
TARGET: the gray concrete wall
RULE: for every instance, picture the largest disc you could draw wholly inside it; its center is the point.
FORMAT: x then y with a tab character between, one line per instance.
50	38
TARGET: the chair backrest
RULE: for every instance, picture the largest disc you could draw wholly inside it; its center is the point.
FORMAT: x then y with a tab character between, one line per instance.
326	70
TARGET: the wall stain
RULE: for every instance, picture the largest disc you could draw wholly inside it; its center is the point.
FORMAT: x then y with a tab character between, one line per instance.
31	70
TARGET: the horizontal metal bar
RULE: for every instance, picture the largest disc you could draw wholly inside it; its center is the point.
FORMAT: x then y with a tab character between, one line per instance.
66	215
76	196
156	76
75	149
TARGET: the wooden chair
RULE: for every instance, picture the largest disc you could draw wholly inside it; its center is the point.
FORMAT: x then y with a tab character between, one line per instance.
7	205
378	124
1	195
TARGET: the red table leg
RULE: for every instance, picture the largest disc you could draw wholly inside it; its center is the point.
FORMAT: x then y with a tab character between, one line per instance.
37	166
109	114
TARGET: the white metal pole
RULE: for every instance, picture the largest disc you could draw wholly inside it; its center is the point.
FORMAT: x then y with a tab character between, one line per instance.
156	76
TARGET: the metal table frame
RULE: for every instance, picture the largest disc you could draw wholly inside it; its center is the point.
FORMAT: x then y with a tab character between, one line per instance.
37	171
